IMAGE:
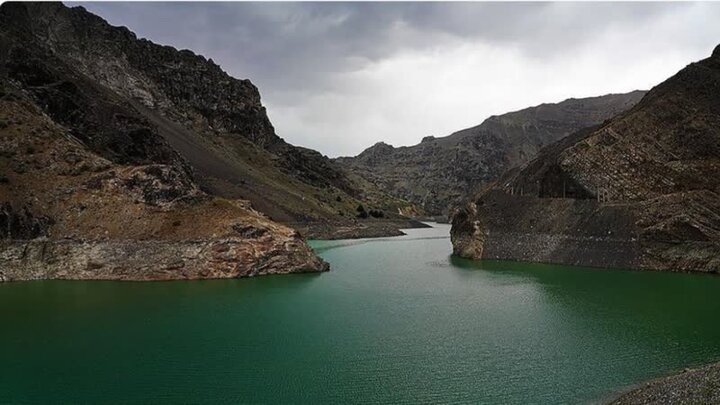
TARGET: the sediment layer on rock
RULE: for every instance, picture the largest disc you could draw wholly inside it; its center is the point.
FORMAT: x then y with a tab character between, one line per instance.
142	260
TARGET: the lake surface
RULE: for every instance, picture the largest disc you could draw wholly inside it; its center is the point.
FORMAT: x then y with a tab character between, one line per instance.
396	320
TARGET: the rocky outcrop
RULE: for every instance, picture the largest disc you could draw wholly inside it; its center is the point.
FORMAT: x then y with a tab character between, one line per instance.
641	190
140	260
439	173
102	220
569	231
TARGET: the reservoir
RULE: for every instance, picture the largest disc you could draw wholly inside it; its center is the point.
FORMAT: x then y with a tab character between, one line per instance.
396	320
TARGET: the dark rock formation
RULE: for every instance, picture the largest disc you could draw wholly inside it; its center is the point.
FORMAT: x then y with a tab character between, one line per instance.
21	224
642	190
439	173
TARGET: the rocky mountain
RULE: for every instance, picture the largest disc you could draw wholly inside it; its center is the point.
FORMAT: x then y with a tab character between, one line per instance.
438	173
90	188
134	103
123	159
640	190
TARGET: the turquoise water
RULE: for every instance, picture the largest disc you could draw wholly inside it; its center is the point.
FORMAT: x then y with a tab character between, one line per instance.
396	320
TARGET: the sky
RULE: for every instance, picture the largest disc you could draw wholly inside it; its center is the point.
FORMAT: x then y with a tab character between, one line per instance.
339	77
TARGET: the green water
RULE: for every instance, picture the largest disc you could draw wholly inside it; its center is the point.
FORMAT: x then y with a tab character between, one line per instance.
397	320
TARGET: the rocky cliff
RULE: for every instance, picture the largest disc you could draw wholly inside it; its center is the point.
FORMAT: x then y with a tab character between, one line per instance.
439	173
640	190
68	212
91	185
110	88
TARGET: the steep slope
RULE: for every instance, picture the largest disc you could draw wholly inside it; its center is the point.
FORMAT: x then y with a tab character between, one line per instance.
437	173
90	189
639	191
216	123
67	212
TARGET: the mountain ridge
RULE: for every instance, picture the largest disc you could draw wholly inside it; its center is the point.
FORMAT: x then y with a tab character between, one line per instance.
214	123
639	191
122	159
437	173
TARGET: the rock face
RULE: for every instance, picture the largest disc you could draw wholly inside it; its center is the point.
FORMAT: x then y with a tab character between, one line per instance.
639	191
135	102
439	173
155	260
70	213
89	186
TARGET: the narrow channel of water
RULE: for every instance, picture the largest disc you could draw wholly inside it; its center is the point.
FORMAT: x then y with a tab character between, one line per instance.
396	320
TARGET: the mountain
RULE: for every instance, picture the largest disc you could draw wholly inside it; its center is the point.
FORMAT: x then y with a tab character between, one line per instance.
134	102
640	190
438	173
90	185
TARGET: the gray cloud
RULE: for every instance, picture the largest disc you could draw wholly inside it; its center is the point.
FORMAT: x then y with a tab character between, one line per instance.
339	76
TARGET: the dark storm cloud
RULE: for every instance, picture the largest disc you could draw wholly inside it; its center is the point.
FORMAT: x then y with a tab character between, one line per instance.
297	52
263	40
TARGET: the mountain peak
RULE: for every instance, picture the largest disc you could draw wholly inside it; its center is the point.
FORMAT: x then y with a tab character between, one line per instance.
380	147
716	52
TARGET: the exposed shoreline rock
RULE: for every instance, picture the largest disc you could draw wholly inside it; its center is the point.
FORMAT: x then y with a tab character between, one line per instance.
691	386
136	260
577	232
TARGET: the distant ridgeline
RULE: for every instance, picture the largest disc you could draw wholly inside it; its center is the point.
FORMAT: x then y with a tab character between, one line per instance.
438	173
640	190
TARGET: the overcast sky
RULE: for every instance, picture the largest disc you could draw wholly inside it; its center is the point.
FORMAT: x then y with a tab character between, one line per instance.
338	77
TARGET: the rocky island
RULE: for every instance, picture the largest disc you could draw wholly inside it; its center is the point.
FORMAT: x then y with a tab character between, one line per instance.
639	191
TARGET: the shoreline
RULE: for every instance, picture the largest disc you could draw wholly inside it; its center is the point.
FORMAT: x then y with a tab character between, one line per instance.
690	385
355	230
154	260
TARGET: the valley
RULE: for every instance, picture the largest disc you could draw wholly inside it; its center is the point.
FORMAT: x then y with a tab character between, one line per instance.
566	252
